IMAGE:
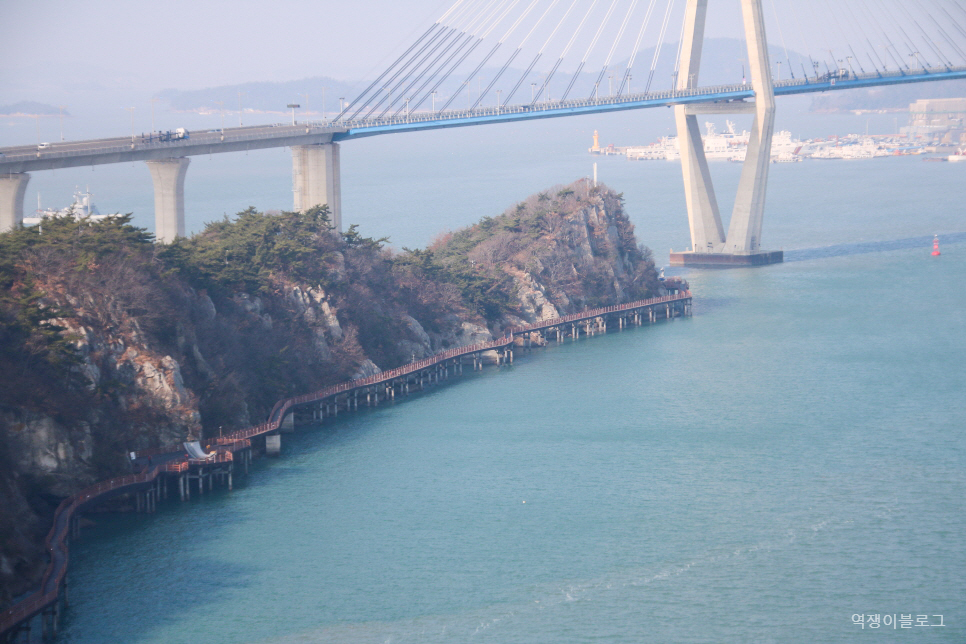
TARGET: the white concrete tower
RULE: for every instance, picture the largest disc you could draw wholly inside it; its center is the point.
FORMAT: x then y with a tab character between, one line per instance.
168	176
744	231
316	179
707	233
13	187
709	244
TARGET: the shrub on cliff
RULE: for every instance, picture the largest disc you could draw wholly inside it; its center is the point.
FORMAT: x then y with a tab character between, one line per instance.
243	254
574	241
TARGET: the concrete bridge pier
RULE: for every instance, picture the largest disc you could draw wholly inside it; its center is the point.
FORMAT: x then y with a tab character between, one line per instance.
13	187
316	179
168	176
710	246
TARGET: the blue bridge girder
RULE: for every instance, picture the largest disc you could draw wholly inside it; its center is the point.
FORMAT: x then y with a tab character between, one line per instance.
27	158
552	109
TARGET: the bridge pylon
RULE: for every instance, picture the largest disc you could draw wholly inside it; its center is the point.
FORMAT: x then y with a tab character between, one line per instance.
168	177
316	179
13	187
709	244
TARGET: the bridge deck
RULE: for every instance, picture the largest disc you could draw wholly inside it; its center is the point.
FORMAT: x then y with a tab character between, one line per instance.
139	148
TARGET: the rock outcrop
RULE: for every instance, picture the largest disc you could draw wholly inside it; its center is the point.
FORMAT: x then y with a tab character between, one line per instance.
141	346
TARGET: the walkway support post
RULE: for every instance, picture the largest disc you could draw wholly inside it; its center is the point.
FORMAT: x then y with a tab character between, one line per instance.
709	244
168	177
316	179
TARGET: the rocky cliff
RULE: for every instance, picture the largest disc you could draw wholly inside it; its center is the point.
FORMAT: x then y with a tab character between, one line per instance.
111	343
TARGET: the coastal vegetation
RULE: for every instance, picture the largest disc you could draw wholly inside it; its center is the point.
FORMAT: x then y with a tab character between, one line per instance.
113	343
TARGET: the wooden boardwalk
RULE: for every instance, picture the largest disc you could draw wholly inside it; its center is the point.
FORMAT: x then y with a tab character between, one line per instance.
152	484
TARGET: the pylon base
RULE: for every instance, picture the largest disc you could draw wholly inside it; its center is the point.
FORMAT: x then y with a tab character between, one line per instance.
727	260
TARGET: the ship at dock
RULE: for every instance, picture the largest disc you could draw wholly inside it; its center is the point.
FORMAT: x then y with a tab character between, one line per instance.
730	145
81	208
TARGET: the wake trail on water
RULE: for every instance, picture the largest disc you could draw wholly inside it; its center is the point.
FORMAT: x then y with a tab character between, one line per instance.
505	621
861	248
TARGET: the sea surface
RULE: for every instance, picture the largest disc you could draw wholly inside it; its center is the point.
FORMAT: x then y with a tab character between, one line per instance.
792	455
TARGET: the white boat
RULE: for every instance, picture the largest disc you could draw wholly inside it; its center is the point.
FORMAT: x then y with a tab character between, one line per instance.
851	147
82	208
726	146
959	156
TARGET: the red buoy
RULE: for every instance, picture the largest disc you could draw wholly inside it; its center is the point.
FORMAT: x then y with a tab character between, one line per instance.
935	247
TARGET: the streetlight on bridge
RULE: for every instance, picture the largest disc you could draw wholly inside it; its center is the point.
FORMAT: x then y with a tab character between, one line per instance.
131	110
293	106
239	108
153	101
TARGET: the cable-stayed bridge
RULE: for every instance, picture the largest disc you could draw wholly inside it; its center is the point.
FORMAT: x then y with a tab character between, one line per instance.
519	45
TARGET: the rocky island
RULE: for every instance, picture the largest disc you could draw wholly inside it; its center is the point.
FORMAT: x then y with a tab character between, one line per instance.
112	343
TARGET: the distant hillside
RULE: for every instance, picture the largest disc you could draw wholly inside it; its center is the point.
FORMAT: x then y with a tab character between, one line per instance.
891	97
30	108
721	62
264	96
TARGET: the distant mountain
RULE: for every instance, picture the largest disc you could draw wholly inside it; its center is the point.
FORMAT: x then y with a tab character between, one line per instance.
722	62
889	97
30	108
264	96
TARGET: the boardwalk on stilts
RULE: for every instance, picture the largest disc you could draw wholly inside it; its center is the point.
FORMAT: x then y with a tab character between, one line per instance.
152	484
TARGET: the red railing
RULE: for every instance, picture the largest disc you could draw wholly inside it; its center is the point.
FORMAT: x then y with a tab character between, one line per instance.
56	538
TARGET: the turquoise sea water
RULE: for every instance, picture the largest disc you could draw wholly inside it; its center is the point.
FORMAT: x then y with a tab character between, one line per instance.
791	455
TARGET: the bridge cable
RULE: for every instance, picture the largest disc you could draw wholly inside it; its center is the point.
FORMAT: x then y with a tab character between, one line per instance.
945	34
868	41
383	75
858	23
403	56
413	66
479	25
896	57
402	69
610	55
800	29
929	41
956	25
415	75
782	36
433	69
637	47
845	39
563	54
476	41
942	31
828	47
415	78
677	55
908	42
960	7
660	43
488	56
951	19
593	44
513	56
487	15
535	58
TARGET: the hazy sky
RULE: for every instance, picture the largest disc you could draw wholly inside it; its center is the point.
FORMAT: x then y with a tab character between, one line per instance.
48	45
